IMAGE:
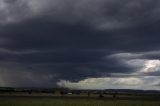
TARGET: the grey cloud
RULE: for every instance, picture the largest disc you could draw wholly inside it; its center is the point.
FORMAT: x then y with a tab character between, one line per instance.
102	14
13	11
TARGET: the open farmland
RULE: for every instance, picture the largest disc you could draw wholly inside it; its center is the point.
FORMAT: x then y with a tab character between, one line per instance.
73	100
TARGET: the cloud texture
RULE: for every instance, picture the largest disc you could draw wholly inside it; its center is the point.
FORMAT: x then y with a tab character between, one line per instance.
45	41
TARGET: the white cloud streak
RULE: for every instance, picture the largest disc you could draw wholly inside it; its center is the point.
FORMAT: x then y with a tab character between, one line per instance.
139	61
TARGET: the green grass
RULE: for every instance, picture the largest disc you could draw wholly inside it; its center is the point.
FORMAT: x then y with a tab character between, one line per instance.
73	102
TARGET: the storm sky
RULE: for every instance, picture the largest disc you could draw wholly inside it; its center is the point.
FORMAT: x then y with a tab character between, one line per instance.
80	44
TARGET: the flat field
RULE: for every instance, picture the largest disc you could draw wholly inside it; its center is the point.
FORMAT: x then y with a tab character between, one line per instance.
74	101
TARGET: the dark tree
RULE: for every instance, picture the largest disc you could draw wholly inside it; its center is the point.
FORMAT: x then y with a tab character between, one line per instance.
101	95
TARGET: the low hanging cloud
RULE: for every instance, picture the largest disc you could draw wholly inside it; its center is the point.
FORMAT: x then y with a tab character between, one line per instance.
145	74
146	83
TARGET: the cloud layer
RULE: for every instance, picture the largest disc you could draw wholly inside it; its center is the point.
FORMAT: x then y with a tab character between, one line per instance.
42	42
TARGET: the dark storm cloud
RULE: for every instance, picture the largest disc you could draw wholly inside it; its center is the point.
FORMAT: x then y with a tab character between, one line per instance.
72	39
105	14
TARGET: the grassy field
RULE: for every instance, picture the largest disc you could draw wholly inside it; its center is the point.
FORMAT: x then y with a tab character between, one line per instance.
48	101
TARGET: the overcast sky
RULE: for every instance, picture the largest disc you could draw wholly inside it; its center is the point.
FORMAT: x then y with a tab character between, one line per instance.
80	44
